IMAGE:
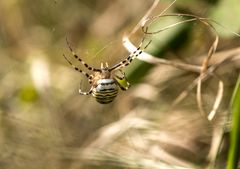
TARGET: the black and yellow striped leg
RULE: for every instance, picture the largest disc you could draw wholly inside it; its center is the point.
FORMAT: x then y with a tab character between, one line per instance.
80	60
131	57
77	69
123	75
135	54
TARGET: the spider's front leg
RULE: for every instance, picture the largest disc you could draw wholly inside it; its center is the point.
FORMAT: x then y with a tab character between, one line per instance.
131	57
80	60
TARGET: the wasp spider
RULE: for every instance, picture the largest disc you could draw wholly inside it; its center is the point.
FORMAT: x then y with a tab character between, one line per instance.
104	82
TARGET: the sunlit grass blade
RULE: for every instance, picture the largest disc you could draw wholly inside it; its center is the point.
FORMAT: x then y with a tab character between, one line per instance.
234	151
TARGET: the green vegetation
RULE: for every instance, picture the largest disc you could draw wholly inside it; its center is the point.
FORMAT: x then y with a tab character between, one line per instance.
234	151
45	123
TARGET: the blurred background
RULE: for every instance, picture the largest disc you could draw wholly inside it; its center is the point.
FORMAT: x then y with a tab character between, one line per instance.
45	123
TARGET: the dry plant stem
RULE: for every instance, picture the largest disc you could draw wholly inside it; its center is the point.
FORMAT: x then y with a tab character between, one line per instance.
205	70
146	57
205	64
146	21
216	143
232	56
205	21
217	100
155	3
147	14
203	77
150	20
150	59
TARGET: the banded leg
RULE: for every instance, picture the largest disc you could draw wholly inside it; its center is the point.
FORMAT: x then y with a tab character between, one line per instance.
131	57
77	69
79	59
122	73
122	78
85	93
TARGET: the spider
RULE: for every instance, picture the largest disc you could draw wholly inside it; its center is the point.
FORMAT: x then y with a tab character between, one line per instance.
104	82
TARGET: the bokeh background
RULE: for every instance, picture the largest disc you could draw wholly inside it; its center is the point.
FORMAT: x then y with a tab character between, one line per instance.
45	123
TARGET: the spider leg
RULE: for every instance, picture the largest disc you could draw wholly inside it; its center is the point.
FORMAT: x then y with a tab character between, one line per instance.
131	57
77	69
122	73
85	93
79	59
122	78
119	77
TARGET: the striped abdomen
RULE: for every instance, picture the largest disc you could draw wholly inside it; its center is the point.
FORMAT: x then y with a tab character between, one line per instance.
106	91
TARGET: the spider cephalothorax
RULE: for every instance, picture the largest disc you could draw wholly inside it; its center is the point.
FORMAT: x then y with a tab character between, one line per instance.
104	81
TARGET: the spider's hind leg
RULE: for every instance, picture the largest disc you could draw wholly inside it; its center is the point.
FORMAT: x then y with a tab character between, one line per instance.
84	93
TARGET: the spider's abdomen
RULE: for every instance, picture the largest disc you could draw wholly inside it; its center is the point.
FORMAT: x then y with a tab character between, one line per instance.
106	91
